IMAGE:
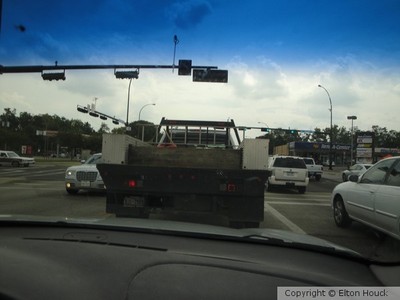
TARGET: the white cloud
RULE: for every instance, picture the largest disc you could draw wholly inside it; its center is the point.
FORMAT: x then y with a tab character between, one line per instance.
269	92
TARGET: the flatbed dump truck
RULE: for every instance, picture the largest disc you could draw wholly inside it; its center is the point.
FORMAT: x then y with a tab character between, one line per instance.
195	166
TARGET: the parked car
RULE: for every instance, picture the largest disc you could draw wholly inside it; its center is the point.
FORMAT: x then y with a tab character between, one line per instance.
371	198
85	176
288	171
356	169
313	169
11	158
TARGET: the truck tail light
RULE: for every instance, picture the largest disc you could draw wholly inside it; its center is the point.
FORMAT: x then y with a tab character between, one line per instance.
228	187
231	187
132	183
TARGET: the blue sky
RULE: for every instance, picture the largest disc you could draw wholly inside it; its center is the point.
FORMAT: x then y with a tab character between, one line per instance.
276	52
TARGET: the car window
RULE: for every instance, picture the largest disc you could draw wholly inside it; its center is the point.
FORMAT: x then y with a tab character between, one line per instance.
394	175
93	160
289	162
377	173
13	154
308	161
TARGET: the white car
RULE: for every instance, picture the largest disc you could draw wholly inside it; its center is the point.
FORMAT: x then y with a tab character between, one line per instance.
85	176
356	169
287	171
372	198
13	159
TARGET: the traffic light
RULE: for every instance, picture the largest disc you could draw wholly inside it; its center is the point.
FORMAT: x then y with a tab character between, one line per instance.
185	67
126	74
53	76
82	109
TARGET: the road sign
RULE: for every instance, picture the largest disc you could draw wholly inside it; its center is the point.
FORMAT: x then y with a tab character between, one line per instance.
200	75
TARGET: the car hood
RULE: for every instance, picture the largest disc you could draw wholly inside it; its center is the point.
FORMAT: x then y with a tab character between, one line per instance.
83	167
262	235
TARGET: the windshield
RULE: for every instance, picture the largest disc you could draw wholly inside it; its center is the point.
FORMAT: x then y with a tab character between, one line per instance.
235	82
289	162
12	154
93	159
308	161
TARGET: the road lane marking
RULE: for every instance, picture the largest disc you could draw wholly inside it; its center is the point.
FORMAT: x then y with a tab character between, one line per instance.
298	203
44	173
29	188
305	196
293	227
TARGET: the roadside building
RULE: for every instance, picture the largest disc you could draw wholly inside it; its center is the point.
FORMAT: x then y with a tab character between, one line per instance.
341	155
318	151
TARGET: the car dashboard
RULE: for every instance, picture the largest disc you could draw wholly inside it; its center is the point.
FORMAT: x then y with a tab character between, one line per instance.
64	262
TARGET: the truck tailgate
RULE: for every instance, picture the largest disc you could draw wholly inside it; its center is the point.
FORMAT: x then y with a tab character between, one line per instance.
142	180
290	174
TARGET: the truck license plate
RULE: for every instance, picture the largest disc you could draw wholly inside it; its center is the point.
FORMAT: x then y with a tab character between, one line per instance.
134	201
85	183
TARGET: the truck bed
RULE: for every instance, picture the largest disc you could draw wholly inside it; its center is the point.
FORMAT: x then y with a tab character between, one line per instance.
185	157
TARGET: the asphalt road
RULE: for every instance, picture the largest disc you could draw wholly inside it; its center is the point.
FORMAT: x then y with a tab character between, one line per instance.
40	190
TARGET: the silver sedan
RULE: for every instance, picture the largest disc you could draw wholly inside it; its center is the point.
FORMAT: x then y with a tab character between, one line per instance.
372	198
356	169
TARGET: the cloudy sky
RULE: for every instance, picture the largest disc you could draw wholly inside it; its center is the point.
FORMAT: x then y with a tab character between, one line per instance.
276	53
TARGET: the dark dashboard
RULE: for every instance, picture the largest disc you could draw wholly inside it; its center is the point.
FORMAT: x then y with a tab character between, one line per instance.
43	262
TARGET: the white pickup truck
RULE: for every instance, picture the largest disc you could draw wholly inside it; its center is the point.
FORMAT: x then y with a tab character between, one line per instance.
313	169
13	159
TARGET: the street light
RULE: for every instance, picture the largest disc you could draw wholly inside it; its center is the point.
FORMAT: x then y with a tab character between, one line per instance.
352	118
140	111
127	75
264	124
330	142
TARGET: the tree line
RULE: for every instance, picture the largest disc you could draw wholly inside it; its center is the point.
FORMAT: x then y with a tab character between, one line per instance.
68	136
72	135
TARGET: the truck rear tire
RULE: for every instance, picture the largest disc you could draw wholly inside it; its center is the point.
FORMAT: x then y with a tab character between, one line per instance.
317	177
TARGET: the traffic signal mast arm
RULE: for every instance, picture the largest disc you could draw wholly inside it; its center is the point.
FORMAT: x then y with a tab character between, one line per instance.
57	72
40	69
268	129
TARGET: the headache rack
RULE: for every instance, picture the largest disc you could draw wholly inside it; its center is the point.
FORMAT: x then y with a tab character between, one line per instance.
198	133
